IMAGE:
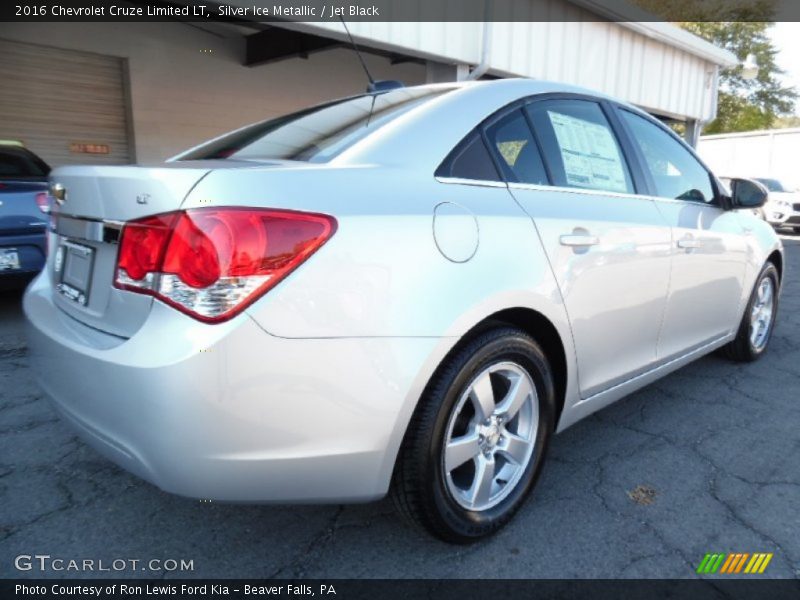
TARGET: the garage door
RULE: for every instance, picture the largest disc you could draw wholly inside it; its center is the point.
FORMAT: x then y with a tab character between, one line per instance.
68	107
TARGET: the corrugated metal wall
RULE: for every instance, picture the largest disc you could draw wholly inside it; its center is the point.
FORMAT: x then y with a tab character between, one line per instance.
68	107
186	85
453	42
568	44
609	58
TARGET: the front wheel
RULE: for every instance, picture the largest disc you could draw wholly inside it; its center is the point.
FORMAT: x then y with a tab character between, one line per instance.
755	329
477	441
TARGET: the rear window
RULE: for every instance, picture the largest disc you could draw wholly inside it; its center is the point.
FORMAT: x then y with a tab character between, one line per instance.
19	163
316	134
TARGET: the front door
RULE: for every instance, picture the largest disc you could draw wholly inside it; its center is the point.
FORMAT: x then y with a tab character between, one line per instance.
708	242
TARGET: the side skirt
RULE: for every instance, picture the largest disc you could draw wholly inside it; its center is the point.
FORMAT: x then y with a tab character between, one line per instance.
602	399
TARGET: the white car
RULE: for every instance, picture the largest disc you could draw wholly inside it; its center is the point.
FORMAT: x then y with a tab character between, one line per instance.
409	290
782	208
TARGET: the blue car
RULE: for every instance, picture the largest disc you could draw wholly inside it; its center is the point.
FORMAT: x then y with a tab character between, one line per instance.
24	208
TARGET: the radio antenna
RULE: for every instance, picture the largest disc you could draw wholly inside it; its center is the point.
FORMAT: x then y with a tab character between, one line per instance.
358	52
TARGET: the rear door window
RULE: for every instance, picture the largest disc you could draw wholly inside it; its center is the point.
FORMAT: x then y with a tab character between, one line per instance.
516	151
470	160
580	147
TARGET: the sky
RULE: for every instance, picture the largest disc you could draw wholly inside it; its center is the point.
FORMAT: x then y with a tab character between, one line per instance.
786	37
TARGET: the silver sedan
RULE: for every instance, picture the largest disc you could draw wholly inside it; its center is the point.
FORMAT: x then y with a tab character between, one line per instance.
408	291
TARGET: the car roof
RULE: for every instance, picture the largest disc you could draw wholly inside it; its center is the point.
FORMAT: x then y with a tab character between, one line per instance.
446	119
522	87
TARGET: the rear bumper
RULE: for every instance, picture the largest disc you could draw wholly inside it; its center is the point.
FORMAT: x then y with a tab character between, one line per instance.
229	412
31	249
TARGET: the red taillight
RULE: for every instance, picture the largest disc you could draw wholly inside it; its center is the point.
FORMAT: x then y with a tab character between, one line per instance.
142	247
43	202
211	263
193	255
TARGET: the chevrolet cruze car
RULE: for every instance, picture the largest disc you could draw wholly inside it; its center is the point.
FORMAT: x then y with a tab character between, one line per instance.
406	291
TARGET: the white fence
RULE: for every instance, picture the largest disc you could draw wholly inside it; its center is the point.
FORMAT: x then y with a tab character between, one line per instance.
774	153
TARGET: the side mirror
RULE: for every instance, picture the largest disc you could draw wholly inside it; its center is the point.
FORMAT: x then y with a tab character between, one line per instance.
746	193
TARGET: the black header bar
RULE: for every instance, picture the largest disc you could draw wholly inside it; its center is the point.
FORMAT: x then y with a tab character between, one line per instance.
267	11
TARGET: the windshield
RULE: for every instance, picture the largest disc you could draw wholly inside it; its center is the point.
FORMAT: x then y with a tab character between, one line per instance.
19	163
773	185
316	134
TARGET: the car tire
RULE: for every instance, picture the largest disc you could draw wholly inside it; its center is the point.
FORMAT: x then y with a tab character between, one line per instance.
458	499
796	229
758	321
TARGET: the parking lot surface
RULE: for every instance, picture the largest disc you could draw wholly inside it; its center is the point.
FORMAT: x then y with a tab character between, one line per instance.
705	460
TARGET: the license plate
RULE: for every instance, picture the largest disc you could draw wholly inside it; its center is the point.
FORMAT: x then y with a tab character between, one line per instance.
9	259
74	264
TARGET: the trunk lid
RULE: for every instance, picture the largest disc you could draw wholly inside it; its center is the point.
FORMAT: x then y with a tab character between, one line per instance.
85	234
86	227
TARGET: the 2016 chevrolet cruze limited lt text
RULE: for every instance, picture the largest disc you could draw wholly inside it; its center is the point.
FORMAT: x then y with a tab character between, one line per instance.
406	291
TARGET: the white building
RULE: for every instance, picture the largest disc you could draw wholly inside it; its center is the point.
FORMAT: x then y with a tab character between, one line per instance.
122	92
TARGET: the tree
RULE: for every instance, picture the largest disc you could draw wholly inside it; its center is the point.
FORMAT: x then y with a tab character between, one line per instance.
746	105
743	105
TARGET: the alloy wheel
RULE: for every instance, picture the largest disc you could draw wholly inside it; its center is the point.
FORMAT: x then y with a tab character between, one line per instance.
490	436
761	314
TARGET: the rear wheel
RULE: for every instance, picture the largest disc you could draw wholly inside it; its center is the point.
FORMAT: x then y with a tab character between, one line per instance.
477	440
755	329
796	229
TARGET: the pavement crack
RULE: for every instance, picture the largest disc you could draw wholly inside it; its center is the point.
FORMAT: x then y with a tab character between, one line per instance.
297	567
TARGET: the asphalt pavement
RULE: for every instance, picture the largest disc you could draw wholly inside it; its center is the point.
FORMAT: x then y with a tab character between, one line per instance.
705	460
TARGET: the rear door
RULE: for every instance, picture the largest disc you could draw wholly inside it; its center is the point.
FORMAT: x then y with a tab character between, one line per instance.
608	247
708	242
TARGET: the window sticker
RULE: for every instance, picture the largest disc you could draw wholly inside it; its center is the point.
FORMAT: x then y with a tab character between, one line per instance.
590	154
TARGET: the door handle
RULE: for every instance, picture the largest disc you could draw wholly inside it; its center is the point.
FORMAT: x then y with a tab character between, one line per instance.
579	240
689	243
